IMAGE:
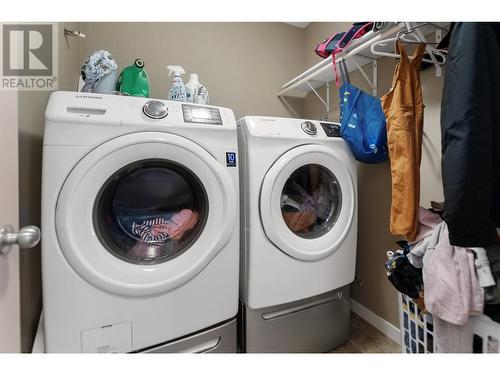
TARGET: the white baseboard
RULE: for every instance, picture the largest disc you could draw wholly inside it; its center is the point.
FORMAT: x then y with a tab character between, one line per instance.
381	324
39	343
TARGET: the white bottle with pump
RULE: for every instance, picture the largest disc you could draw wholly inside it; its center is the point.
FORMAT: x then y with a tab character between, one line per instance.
178	90
196	92
192	87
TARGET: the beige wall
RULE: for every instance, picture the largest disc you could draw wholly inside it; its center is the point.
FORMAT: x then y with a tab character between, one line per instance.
374	181
242	64
31	119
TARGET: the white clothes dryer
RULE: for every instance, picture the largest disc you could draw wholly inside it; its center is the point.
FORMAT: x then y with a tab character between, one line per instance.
140	229
299	229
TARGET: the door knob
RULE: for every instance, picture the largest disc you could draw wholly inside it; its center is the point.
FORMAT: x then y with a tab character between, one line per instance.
27	237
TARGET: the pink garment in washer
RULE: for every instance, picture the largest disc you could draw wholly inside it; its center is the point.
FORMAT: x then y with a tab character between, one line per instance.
180	223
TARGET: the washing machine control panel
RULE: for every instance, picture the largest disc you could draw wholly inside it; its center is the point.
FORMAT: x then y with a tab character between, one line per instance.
155	109
331	129
201	115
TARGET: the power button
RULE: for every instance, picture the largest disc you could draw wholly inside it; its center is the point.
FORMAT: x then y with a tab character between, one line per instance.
309	128
155	109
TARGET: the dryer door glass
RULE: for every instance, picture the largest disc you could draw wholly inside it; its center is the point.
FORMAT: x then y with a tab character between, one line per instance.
150	211
311	201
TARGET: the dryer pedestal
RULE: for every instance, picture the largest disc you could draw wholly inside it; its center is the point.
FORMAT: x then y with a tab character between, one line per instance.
313	325
218	339
221	338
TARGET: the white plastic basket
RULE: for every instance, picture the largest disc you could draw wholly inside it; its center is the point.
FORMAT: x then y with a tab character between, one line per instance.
417	330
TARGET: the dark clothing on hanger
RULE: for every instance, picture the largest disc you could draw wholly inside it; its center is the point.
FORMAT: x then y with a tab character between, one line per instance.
445	42
470	125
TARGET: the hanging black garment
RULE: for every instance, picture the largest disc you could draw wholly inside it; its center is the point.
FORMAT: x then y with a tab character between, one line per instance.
470	126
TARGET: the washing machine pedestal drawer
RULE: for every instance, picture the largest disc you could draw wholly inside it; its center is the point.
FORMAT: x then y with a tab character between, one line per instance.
312	325
217	339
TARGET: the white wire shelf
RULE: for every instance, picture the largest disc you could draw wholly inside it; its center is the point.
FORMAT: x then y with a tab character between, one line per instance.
357	55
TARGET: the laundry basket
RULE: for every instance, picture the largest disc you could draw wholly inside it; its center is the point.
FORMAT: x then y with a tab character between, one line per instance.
417	330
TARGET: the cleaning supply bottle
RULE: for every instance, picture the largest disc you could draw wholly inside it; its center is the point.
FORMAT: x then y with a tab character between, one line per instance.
201	96
200	93
191	87
133	80
178	90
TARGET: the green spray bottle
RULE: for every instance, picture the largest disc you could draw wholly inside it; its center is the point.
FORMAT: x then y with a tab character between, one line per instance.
133	80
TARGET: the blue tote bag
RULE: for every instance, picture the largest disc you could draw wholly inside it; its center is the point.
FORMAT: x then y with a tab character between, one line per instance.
363	124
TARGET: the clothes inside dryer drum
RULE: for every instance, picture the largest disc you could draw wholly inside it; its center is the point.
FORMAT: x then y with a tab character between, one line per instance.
311	201
150	211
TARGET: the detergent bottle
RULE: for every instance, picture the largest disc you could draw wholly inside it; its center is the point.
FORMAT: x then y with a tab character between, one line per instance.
192	87
178	90
133	80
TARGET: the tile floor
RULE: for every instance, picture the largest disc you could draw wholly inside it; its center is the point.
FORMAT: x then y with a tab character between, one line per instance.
367	339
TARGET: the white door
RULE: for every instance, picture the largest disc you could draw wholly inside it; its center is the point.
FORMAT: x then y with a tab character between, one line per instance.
10	298
10	318
307	202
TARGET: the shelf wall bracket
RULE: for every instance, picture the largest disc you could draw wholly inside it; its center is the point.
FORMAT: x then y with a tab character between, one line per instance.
371	82
325	103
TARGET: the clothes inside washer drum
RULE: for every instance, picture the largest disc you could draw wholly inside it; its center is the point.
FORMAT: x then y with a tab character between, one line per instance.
157	230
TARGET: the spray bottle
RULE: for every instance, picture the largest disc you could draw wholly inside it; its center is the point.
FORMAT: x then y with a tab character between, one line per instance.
178	90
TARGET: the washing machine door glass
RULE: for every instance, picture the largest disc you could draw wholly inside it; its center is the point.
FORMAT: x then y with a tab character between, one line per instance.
150	211
311	201
307	201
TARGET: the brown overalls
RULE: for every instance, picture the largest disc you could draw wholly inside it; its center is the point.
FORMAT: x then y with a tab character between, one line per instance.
404	111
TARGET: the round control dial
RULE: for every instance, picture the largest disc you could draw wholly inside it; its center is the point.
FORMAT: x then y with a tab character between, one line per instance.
309	128
155	109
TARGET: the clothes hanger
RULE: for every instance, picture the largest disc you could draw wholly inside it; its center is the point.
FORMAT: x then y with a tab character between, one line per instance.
415	32
403	37
432	52
416	29
410	29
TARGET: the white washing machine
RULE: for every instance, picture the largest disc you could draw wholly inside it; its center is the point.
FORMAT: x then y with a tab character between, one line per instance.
140	225
298	239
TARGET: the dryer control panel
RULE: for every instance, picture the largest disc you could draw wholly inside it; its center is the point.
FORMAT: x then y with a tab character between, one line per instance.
331	129
201	115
